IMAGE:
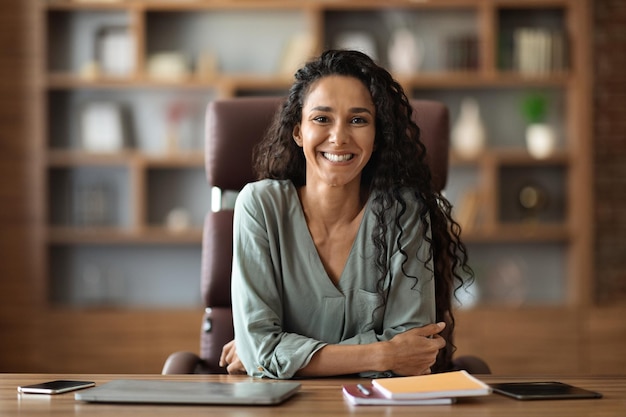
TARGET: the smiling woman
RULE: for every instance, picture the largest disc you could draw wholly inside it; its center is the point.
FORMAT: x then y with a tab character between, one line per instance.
345	258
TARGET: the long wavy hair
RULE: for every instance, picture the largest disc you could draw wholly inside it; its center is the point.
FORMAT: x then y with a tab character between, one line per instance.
398	162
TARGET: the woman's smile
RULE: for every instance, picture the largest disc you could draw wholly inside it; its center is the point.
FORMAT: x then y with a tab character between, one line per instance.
333	157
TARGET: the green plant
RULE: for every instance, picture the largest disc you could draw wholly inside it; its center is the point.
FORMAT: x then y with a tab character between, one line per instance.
534	108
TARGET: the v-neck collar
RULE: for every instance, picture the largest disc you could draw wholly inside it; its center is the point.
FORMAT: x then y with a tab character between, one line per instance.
314	257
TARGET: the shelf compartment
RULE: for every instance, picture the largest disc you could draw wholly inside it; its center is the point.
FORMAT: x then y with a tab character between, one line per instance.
125	276
435	29
73	35
171	192
532	194
150	117
86	197
485	191
519	274
501	113
223	37
532	41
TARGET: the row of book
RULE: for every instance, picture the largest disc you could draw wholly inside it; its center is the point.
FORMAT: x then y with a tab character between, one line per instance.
539	51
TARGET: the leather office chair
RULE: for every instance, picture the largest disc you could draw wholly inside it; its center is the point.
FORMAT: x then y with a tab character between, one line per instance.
233	127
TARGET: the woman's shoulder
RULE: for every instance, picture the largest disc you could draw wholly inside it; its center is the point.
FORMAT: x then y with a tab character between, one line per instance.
268	186
266	191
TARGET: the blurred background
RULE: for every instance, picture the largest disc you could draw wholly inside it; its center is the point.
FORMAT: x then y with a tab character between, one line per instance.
102	181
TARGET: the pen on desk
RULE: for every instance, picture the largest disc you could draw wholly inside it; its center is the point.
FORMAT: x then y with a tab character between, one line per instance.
364	390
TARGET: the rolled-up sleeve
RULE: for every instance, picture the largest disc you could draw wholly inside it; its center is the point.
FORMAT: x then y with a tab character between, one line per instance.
257	293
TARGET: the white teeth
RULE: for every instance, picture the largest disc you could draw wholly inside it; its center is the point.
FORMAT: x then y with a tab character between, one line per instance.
338	158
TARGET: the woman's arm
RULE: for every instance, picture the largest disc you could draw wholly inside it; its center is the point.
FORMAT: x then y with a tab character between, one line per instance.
410	353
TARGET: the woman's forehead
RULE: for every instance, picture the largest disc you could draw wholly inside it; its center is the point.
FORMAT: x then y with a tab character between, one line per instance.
338	89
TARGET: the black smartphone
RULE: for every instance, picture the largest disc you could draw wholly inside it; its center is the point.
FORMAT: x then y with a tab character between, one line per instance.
543	391
55	387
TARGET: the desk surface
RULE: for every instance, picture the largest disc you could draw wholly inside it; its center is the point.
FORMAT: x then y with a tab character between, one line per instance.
321	397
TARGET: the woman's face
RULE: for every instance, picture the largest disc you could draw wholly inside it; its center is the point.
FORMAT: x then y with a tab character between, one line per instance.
337	130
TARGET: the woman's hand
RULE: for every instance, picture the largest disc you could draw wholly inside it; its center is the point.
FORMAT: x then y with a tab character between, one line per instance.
415	351
230	360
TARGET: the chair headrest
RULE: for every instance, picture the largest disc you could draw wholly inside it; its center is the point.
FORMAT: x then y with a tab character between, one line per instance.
233	127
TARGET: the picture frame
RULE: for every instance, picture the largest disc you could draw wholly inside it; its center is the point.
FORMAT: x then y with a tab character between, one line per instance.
102	128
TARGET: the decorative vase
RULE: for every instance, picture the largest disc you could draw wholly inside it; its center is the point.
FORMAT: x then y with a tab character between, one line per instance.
540	140
405	52
468	133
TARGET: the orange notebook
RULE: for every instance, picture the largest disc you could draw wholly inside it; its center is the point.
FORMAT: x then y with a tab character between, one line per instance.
448	384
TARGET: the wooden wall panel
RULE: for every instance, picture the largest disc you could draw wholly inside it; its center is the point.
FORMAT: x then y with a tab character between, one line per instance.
19	255
86	341
605	341
523	341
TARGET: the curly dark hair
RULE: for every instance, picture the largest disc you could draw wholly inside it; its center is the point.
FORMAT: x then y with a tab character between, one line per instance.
389	171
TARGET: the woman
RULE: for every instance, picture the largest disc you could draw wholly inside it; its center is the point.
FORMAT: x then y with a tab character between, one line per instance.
345	259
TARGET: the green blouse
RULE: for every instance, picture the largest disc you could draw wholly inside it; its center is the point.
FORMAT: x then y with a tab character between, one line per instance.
285	306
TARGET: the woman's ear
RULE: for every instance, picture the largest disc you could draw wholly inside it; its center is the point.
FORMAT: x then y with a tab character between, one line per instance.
296	135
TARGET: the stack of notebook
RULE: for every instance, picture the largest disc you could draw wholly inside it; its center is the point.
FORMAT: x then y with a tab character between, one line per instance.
433	389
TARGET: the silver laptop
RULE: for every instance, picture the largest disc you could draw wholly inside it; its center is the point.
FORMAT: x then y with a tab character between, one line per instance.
189	392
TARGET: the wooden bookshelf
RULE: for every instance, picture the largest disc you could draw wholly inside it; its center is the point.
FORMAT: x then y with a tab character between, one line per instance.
148	175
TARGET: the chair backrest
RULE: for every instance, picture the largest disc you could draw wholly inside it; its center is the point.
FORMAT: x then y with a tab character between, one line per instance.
233	127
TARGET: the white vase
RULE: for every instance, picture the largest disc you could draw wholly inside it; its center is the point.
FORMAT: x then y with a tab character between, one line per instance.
358	41
540	140
468	133
405	52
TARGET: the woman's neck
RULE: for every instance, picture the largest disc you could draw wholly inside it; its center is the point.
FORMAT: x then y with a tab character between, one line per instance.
332	206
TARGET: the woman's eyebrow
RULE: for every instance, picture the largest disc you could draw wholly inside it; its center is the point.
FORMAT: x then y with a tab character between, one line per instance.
360	110
352	110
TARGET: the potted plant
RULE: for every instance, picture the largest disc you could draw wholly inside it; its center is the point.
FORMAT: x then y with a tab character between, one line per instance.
540	138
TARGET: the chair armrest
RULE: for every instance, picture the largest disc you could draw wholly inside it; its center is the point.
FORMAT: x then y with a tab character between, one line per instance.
181	363
471	364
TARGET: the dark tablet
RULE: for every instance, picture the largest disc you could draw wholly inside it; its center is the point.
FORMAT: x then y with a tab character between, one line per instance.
543	391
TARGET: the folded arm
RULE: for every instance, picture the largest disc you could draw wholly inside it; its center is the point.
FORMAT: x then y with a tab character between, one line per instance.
410	353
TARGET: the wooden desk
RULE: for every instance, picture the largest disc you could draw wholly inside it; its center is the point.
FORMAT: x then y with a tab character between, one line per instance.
317	397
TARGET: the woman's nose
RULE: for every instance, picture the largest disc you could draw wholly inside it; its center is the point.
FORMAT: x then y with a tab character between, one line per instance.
339	134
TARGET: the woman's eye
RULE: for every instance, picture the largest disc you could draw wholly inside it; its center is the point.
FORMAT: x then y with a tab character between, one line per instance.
358	120
320	119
